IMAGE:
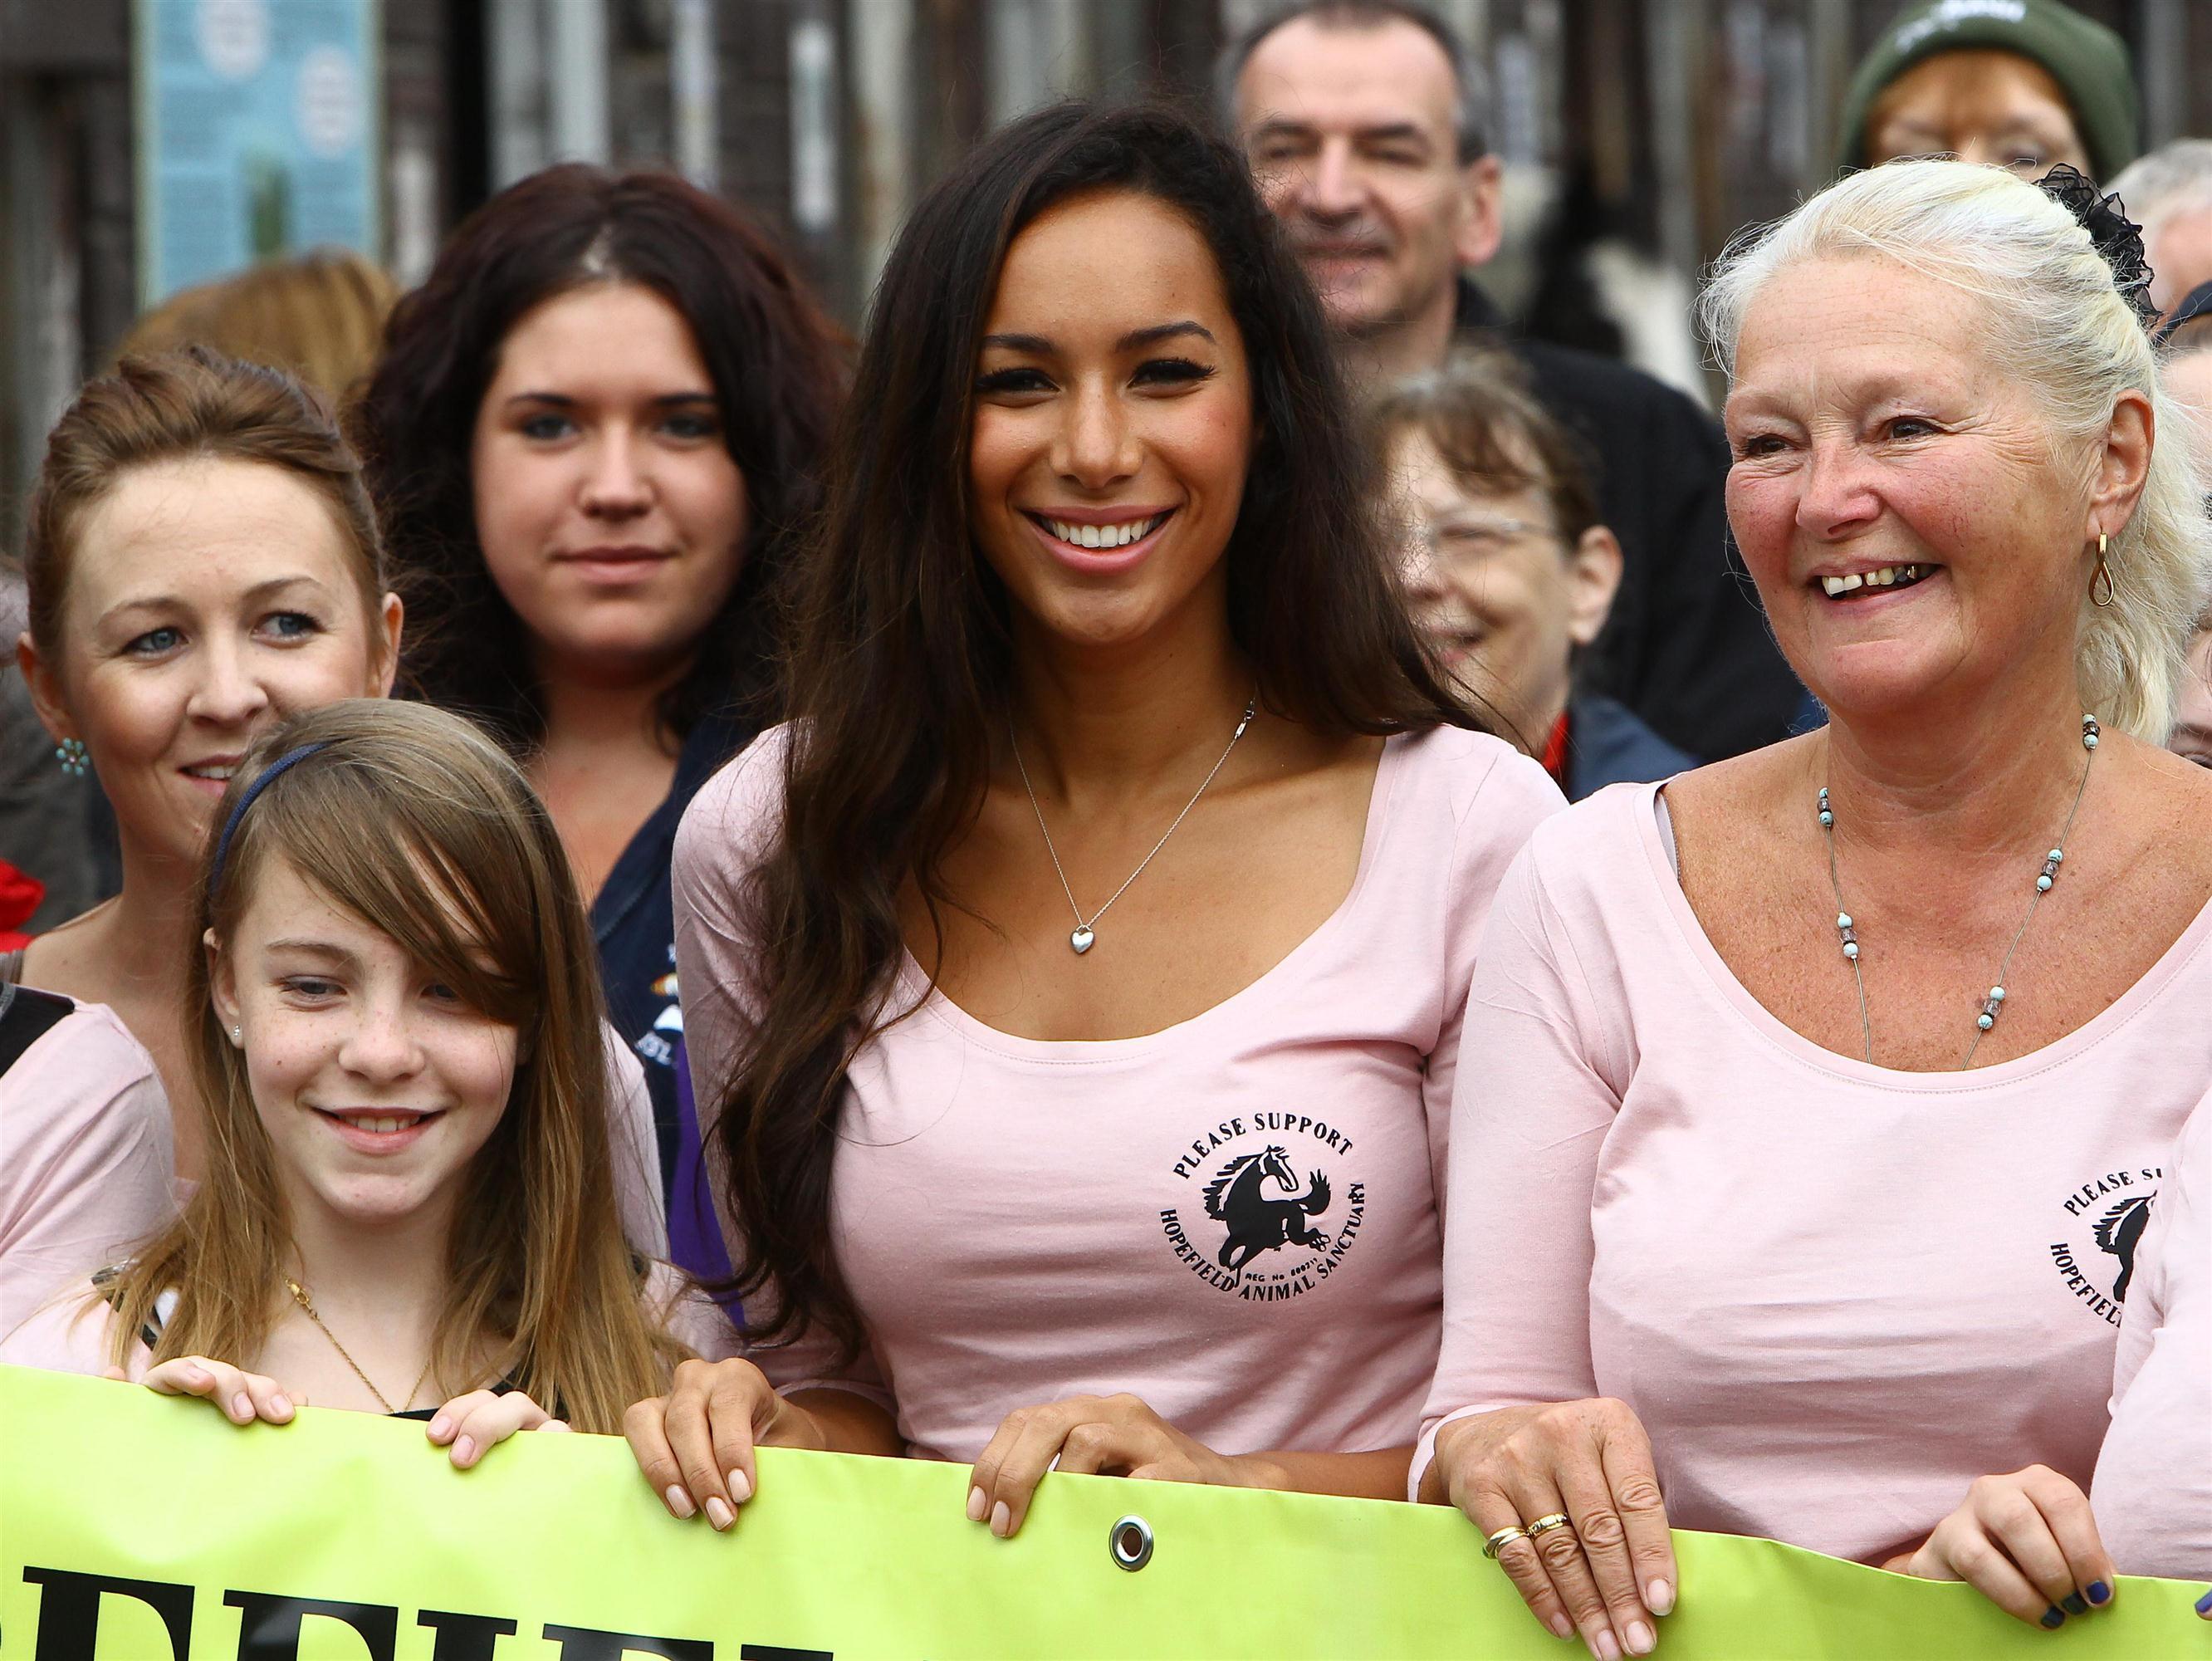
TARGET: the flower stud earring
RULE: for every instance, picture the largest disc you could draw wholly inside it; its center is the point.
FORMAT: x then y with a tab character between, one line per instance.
75	760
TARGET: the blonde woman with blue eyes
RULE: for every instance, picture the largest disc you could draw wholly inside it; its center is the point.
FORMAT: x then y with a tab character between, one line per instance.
203	563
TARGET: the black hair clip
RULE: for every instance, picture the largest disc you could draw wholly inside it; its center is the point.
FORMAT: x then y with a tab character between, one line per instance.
2117	237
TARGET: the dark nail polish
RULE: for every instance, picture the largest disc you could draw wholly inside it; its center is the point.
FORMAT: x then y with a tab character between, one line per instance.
2072	1604
2054	1617
2100	1593
2204	1605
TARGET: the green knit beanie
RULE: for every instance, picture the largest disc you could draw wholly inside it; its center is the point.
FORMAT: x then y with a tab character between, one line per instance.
2087	59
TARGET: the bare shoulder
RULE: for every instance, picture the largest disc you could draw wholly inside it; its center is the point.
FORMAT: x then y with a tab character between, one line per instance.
1721	803
2167	803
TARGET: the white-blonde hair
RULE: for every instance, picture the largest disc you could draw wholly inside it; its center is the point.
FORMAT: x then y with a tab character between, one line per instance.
2055	319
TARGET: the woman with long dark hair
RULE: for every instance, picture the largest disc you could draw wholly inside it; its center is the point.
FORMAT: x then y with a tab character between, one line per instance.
593	437
1076	980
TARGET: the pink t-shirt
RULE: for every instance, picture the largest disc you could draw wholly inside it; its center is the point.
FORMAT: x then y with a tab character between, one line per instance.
71	1332
638	1197
85	1160
1234	1218
1835	1293
2153	1493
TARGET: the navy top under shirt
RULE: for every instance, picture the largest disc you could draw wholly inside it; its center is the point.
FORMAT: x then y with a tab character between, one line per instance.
634	923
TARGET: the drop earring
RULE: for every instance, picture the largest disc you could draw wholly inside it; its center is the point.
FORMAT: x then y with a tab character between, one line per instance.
238	1037
75	760
2102	591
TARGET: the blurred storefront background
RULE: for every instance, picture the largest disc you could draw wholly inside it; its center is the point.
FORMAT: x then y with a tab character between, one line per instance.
146	144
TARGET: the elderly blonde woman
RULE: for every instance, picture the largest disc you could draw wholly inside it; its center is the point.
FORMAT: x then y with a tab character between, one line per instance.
1822	1088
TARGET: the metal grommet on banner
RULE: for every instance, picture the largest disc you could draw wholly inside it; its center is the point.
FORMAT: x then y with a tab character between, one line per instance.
1130	1541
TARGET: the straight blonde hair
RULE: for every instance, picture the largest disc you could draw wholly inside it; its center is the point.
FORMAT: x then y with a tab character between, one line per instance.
2056	318
413	820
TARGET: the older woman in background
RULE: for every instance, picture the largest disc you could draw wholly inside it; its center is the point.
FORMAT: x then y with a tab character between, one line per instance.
1800	1178
1511	573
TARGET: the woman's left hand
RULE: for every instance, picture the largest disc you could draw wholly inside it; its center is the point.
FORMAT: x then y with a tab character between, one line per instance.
1095	1435
2027	1543
470	1424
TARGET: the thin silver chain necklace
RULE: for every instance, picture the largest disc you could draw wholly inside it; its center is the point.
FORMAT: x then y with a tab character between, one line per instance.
1993	1005
1085	935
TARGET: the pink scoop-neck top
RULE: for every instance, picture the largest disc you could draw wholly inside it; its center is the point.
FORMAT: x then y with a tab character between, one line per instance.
1835	1293
1236	1219
2153	1492
86	1167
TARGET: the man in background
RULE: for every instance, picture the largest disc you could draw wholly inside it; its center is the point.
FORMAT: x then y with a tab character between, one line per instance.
1363	121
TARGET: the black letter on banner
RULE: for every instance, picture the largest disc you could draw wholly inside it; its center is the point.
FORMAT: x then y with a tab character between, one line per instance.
464	1636
269	1628
778	1652
68	1611
590	1643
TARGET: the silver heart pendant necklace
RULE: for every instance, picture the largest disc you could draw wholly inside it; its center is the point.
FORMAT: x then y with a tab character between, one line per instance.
1086	932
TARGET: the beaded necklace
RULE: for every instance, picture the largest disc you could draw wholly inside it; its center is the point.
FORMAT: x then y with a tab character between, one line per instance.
1993	1005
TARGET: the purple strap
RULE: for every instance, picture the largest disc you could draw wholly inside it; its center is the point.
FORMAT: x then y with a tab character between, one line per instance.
695	1233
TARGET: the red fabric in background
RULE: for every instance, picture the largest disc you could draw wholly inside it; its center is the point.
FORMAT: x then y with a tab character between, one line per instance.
1555	751
19	895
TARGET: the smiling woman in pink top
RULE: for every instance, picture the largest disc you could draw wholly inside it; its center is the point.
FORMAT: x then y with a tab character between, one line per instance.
204	562
1075	985
1824	1091
2153	1492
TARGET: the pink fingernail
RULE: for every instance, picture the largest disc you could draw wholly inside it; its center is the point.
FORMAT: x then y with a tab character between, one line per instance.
242	1405
678	1501
976	1500
1562	1627
1641	1640
719	1512
1660	1596
439	1427
1608	1646
278	1404
741	1487
1002	1520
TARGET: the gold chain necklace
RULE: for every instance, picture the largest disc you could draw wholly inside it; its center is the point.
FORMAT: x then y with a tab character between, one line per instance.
299	1296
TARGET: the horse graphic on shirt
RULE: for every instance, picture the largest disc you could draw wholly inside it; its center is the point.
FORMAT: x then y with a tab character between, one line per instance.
1258	1221
2117	1230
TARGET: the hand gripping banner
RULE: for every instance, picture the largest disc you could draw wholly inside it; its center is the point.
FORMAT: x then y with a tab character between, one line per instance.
136	1526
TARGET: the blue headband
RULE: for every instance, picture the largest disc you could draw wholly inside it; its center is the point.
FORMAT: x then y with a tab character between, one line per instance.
289	759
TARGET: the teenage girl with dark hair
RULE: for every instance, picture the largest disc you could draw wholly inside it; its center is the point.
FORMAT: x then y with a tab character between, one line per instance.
593	436
1076	981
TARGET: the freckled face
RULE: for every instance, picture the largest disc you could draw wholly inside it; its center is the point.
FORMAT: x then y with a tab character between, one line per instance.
607	506
376	1083
1113	423
206	601
1873	434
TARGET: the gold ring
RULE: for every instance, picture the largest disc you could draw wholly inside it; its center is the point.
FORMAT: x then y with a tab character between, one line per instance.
1504	1538
1542	1525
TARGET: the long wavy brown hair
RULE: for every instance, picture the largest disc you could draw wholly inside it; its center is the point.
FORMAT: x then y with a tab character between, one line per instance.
777	362
901	662
416	822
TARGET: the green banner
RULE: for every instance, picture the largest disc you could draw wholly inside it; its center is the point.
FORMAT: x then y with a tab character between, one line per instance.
136	1526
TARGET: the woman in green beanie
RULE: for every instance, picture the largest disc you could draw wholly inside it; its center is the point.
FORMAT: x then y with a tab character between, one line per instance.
2022	83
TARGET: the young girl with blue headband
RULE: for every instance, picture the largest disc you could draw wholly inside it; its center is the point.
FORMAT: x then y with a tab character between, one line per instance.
395	1029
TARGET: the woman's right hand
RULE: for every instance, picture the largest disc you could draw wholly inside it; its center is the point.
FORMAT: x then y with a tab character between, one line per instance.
1612	1570
696	1444
243	1396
